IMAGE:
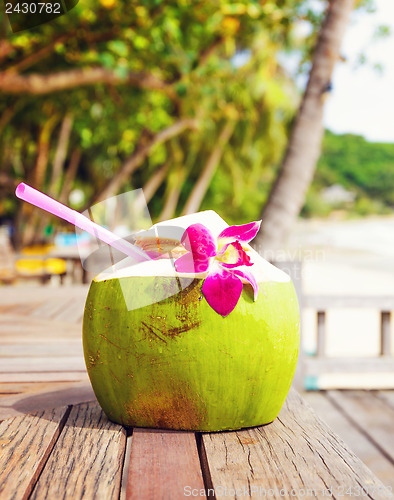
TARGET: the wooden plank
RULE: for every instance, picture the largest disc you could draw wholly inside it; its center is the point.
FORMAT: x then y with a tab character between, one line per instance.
316	366
387	396
50	308
126	466
350	381
295	456
20	309
14	326
26	294
71	311
351	435
87	459
14	388
43	377
324	302
45	364
370	415
26	443
172	461
18	388
56	348
47	397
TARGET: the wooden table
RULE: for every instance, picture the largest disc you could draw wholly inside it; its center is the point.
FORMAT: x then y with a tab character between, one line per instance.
55	442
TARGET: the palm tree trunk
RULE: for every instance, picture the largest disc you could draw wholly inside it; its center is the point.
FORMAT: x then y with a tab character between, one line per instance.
295	175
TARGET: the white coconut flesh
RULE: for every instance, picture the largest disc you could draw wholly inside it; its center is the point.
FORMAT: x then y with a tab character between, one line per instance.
262	270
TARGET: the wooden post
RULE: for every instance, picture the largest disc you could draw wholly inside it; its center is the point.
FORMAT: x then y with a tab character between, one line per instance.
385	333
321	333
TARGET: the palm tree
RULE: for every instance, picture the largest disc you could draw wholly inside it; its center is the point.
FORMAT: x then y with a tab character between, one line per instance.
296	172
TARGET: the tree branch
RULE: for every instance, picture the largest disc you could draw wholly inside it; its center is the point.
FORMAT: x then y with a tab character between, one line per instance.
70	175
155	181
137	158
38	54
206	53
60	153
6	117
36	84
200	188
8	182
172	197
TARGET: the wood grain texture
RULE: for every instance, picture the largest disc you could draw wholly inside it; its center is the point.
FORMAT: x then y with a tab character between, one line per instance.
362	446
25	443
374	417
87	460
45	396
20	309
18	388
54	309
72	310
387	396
27	294
66	304
41	377
126	466
29	388
162	465
56	348
42	364
14	327
294	453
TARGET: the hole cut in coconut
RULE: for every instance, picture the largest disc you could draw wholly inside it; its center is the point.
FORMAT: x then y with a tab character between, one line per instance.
160	240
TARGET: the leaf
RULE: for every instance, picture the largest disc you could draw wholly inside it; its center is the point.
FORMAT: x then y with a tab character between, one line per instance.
119	48
107	60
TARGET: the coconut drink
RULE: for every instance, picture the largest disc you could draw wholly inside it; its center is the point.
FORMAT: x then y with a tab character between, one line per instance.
206	340
197	334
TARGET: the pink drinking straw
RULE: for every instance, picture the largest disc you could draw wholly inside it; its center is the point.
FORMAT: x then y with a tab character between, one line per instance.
41	200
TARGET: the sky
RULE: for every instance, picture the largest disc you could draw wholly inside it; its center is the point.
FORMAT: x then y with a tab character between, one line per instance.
362	99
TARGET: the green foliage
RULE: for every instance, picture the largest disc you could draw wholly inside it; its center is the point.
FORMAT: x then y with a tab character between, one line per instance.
189	48
358	165
172	60
315	206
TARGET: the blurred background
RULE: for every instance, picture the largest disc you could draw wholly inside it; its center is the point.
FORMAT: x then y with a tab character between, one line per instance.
280	110
274	110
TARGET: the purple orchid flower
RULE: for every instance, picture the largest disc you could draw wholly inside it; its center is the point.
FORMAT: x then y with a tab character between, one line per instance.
225	259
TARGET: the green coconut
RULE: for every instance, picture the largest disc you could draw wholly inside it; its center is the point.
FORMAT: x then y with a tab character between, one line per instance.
159	356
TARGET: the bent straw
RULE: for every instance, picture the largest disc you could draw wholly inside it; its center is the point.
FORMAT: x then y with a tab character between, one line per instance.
41	200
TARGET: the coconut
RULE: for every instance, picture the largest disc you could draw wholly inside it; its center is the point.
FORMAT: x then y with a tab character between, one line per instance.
159	356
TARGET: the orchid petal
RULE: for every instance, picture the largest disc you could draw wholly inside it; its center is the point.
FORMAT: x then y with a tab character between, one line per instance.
222	290
248	275
233	255
244	233
190	263
199	240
